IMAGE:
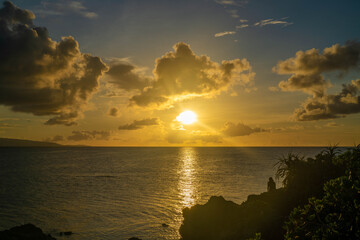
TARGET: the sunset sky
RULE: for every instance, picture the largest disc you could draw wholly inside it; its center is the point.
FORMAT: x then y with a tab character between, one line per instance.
119	73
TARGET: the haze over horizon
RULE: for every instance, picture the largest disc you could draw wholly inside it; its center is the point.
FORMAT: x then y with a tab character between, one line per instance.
180	73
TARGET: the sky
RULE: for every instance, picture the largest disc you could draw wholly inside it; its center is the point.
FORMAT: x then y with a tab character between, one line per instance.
119	73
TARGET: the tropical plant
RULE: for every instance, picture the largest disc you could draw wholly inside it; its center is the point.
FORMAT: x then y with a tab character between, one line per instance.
337	214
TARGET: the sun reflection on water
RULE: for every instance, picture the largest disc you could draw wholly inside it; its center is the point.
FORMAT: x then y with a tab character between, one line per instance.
187	180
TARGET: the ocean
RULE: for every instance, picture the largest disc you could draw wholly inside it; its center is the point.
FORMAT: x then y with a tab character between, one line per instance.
118	193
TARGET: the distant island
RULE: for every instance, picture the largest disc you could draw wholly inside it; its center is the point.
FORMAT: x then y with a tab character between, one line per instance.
12	142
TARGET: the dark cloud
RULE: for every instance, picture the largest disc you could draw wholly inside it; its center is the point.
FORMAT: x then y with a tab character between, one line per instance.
89	135
126	76
41	76
191	137
312	84
310	62
180	75
306	67
331	106
240	129
138	124
114	111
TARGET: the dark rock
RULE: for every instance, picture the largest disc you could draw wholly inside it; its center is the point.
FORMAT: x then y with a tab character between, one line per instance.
25	232
65	233
221	219
165	225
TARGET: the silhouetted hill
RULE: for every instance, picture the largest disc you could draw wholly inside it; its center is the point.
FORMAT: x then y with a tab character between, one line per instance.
11	142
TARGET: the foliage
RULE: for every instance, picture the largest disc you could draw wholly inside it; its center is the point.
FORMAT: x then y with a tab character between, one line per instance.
337	214
256	237
307	176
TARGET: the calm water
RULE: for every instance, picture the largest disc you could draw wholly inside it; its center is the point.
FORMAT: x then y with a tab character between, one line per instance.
118	193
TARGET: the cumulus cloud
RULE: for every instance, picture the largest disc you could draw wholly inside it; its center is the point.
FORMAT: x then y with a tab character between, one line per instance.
64	7
306	70
191	137
89	135
312	84
42	76
180	75
331	106
126	76
313	62
113	111
272	21
240	129
221	34
138	124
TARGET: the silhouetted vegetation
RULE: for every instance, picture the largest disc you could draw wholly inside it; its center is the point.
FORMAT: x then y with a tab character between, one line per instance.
319	200
337	214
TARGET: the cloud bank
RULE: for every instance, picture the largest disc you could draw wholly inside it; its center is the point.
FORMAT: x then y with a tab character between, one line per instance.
307	69
180	75
41	76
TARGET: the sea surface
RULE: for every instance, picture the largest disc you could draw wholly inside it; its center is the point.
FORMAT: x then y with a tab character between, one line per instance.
118	193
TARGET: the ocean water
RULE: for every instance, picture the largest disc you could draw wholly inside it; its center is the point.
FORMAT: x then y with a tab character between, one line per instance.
118	193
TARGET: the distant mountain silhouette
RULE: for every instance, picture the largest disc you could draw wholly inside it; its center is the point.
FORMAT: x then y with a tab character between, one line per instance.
11	142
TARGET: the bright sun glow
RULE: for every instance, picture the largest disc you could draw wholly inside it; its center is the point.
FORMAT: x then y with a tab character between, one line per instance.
187	117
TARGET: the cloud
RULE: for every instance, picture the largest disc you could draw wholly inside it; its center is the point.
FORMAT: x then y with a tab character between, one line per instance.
89	135
221	34
138	124
312	84
271	21
243	20
191	137
233	13
332	124
313	62
232	2
42	76
64	7
307	69
242	26
126	76
114	111
57	138
180	75
240	129
274	89
331	106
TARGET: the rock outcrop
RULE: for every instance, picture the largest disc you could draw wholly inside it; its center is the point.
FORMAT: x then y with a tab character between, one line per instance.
25	232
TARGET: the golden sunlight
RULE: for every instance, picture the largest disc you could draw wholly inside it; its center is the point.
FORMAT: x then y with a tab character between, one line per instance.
187	117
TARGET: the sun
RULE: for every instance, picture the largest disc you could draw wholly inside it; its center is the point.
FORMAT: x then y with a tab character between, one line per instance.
187	117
